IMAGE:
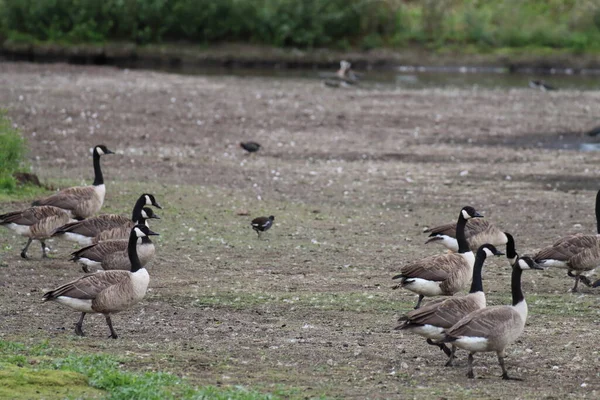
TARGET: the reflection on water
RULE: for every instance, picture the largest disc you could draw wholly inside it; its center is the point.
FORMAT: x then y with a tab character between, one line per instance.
411	78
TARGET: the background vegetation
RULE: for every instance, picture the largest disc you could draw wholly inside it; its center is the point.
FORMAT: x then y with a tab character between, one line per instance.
12	154
564	24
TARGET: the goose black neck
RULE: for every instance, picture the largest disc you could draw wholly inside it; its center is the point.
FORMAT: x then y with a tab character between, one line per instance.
146	240
477	282
98	178
515	285
132	252
598	212
463	246
136	214
511	251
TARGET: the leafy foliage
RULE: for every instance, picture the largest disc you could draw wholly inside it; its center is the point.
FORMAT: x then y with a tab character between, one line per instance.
12	153
308	23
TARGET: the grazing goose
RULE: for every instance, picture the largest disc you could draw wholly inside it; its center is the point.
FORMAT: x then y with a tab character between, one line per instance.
430	320
477	232
106	292
36	223
542	85
443	274
81	201
113	254
108	226
262	224
578	253
493	328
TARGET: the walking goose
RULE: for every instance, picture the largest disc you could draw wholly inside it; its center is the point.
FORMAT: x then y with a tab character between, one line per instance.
430	320
36	223
106	292
578	253
113	254
108	226
477	231
81	201
493	328
443	274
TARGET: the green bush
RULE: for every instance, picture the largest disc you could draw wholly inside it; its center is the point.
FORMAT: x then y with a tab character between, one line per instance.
12	153
308	23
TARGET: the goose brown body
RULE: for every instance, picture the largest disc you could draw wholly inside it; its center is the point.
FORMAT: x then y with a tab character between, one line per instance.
113	254
477	232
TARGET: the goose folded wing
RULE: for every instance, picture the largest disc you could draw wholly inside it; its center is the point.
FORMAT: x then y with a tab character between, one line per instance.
484	323
443	314
587	259
568	248
435	268
93	226
99	250
447	230
69	198
89	286
476	226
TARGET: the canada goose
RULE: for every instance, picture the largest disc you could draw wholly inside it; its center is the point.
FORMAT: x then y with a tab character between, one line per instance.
81	201
539	84
262	224
106	292
430	320
577	253
443	274
493	328
36	223
113	254
477	231
102	227
250	147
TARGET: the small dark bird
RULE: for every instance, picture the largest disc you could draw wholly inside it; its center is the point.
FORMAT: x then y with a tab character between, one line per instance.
543	86
262	224
593	132
250	147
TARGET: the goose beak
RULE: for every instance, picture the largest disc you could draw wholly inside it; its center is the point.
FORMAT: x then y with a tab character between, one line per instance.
499	253
537	266
151	233
477	215
109	152
155	216
157	205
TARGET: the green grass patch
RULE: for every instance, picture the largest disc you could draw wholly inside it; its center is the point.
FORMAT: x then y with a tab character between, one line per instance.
40	371
12	153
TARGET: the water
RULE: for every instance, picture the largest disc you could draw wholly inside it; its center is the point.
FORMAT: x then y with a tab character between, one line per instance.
414	78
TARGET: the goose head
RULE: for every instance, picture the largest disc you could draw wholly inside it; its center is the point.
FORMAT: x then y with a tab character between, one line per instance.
489	250
469	212
150	200
142	231
271	218
101	150
526	262
147	213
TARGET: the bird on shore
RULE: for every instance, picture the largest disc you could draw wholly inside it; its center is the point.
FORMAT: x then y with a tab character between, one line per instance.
539	84
250	147
444	274
109	226
113	254
493	328
345	73
430	320
594	131
35	223
262	224
81	201
106	292
578	253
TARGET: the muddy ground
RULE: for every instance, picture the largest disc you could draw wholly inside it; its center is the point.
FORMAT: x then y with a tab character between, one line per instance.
353	176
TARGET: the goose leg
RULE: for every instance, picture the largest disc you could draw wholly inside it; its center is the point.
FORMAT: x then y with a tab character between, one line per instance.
113	334
504	372
596	284
442	346
44	255
574	289
585	280
421	297
470	367
79	326
450	357
24	251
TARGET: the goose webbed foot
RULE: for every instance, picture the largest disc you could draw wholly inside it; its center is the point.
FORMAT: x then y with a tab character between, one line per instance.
79	326
510	378
24	251
585	280
85	269
24	255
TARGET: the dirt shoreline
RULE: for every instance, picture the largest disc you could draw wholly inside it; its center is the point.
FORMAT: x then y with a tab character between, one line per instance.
353	176
187	57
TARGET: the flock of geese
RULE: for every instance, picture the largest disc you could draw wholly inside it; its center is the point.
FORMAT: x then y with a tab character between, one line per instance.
121	247
465	321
